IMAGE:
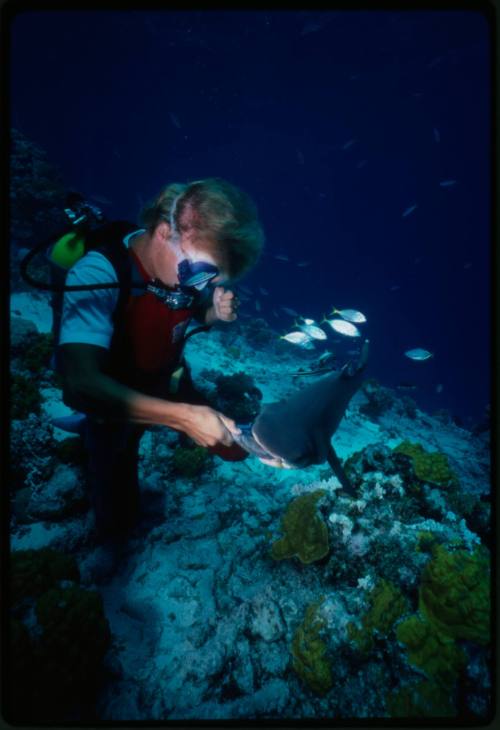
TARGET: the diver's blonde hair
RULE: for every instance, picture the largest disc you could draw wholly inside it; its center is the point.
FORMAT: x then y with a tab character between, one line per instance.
223	216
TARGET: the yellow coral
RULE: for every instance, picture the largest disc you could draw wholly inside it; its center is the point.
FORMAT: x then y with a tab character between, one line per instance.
387	605
429	466
455	594
431	651
305	533
423	699
308	651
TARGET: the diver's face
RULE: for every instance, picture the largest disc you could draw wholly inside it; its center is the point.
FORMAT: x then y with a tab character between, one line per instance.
197	253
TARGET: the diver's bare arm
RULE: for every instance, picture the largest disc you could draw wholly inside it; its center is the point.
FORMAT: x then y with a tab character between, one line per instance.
88	388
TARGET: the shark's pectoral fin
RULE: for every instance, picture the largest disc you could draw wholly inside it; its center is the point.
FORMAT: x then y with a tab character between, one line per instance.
339	472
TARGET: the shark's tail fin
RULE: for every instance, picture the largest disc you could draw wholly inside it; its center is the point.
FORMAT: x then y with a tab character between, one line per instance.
351	368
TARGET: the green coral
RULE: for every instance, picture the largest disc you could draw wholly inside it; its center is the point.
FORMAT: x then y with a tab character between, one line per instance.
190	462
25	397
238	396
387	604
426	542
454	604
422	699
454	594
32	572
38	353
308	652
429	466
76	636
431	651
55	665
305	533
71	450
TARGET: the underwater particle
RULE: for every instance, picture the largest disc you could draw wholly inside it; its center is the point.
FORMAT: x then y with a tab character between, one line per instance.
418	354
387	604
308	652
348	144
305	532
409	210
454	595
343	327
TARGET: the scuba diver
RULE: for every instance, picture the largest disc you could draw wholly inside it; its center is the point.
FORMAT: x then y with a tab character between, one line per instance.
123	299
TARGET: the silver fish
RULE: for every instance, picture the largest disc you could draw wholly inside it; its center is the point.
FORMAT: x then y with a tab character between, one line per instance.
257	305
281	257
361	164
418	353
304	263
263	291
289	311
437	136
343	327
439	388
409	210
296	338
315	332
351	315
447	183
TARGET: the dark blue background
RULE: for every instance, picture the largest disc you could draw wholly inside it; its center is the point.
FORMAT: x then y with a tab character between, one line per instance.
126	102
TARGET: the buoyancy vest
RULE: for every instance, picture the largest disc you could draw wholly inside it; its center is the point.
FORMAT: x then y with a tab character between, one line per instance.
148	338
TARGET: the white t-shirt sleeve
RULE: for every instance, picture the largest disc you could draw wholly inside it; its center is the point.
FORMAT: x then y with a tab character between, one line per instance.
87	316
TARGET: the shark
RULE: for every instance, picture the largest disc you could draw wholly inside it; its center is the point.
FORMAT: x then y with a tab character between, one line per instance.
296	432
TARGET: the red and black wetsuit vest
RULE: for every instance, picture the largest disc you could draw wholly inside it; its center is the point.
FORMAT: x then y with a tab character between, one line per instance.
148	337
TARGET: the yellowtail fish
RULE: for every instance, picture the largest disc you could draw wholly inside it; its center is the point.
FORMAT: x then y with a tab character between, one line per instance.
343	327
351	315
418	353
296	338
315	332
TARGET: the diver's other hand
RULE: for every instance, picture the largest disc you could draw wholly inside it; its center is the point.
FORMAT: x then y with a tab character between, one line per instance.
225	304
207	427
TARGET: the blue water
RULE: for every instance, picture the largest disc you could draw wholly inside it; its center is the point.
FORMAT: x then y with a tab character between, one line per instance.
336	123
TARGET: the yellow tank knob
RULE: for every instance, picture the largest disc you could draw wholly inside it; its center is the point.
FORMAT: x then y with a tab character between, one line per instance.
68	249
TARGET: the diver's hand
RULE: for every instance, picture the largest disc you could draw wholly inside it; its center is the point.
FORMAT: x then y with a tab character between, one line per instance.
207	427
225	304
